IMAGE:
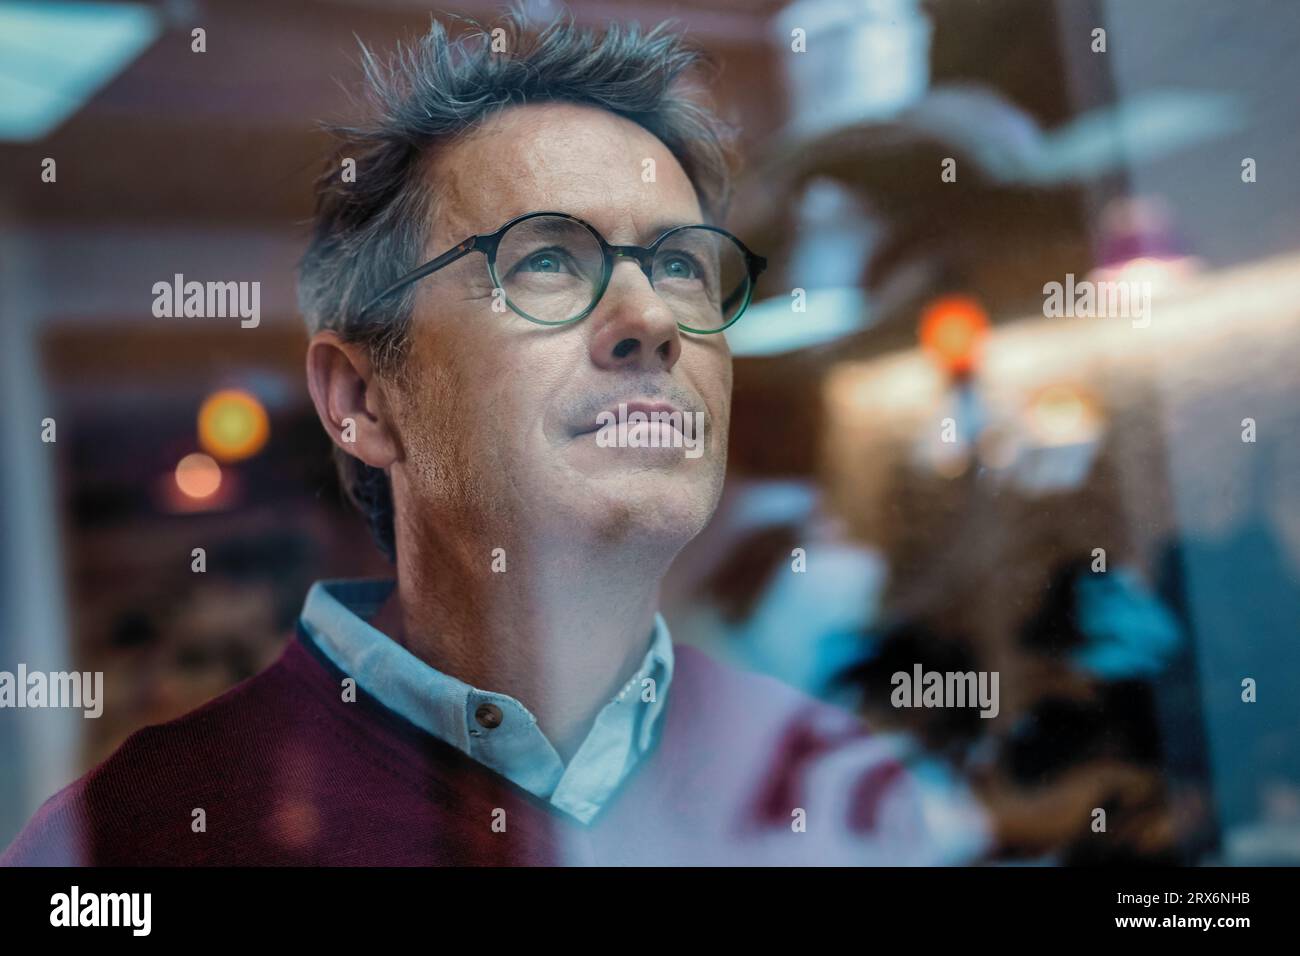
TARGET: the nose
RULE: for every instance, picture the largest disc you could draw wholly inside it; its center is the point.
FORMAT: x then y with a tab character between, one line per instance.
633	328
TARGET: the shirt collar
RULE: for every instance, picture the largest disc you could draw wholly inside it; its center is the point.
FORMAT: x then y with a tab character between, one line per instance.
336	616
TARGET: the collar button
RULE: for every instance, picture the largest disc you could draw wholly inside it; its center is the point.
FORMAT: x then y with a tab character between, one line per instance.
489	716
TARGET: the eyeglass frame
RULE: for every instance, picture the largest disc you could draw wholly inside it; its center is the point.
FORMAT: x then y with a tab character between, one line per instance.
488	244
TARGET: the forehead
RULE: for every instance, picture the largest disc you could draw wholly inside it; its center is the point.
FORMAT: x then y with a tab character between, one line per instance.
567	158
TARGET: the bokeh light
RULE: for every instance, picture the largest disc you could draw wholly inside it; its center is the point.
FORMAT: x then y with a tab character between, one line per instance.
1063	414
198	475
233	425
953	329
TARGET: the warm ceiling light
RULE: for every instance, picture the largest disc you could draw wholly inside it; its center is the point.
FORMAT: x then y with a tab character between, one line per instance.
953	330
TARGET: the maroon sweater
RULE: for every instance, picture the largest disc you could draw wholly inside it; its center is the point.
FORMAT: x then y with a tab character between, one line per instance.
288	773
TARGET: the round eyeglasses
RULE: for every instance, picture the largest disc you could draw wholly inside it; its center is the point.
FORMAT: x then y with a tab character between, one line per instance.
552	269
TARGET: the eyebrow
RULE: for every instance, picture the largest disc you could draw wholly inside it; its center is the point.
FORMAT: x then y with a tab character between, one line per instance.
550	227
654	232
660	228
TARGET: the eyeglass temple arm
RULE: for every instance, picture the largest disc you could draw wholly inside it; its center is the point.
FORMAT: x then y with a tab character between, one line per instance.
433	265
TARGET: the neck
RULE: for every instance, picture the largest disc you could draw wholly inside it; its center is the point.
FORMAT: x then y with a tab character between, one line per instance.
560	629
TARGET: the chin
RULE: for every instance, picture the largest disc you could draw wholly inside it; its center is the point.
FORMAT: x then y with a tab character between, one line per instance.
644	506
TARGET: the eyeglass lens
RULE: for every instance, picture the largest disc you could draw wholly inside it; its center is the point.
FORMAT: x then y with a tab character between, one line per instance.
551	269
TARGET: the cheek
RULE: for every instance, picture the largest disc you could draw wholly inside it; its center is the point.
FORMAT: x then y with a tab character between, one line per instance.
510	380
431	414
437	402
722	392
535	377
710	374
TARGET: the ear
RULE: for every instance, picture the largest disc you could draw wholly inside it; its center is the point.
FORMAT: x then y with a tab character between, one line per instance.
348	401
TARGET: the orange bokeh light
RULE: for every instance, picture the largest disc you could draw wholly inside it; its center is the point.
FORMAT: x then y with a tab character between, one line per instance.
198	476
233	425
953	330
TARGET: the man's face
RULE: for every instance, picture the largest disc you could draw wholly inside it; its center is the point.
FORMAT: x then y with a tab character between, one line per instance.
497	415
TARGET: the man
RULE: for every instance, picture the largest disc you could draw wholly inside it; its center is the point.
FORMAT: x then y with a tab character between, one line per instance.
517	311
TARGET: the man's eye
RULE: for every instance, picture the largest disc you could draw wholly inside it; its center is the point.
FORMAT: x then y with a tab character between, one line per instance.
546	261
680	267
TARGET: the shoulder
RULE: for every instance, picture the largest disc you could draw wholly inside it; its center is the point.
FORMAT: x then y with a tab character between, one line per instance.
754	726
780	756
717	691
132	807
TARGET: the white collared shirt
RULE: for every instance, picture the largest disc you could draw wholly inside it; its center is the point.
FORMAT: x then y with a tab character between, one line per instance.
494	729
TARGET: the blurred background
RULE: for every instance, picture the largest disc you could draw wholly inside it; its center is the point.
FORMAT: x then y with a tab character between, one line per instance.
1105	511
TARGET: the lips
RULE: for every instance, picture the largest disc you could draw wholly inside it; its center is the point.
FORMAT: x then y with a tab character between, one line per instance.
649	409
